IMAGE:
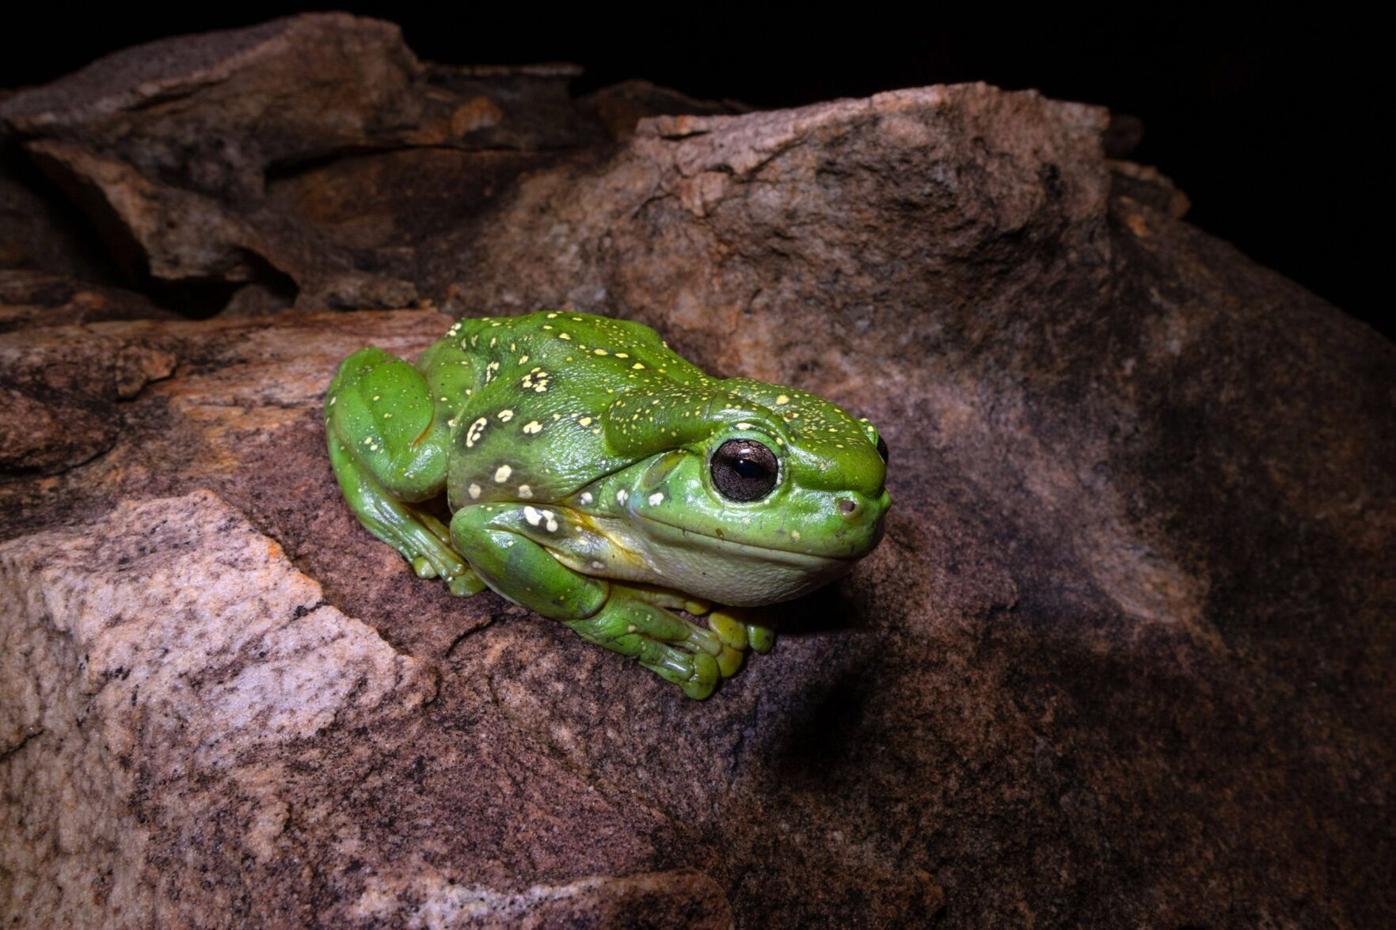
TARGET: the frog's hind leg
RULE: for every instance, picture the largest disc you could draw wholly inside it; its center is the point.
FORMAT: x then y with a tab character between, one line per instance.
389	452
499	540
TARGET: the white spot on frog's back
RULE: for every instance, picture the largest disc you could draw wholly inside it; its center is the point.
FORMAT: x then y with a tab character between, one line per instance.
587	498
502	473
656	498
473	491
622	496
476	430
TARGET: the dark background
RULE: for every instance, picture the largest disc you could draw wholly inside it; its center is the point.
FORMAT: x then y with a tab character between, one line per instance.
1269	125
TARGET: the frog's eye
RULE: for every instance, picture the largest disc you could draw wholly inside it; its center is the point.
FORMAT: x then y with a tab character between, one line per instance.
882	449
744	470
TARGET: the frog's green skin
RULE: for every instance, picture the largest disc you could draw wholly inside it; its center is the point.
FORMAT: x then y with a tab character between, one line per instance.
575	454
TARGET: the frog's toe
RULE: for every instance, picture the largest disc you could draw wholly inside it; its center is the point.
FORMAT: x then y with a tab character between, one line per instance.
703	640
729	661
461	579
465	584
729	629
704	678
761	638
739	627
696	673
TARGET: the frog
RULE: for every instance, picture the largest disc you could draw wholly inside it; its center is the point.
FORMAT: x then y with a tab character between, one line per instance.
576	465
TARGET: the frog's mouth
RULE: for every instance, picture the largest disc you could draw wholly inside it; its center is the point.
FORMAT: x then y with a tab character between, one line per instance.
798	558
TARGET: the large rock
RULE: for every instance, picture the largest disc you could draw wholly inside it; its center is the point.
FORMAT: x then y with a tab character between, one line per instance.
308	157
1123	658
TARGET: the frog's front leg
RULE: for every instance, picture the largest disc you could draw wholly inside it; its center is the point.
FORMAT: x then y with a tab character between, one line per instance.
389	452
508	546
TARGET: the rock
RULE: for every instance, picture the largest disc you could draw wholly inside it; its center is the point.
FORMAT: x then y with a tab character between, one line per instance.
620	107
37	234
63	395
30	298
313	156
184	710
1123	657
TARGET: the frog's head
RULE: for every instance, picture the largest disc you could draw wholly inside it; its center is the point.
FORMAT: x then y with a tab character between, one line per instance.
751	493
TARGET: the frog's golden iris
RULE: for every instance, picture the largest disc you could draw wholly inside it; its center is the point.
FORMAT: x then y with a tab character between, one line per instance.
598	478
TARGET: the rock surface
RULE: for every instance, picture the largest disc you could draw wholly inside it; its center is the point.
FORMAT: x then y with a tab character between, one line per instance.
313	155
1123	659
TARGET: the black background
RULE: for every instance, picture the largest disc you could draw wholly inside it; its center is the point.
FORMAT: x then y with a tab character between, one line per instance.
1271	125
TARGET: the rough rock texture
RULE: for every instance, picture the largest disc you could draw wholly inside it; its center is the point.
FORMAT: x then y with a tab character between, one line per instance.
1123	659
311	156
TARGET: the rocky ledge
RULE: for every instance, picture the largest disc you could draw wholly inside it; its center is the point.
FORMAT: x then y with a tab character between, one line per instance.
1123	659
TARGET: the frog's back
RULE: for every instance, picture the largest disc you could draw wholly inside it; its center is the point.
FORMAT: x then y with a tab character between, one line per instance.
526	397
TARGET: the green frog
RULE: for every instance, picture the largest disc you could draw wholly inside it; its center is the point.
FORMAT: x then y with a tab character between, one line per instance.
596	477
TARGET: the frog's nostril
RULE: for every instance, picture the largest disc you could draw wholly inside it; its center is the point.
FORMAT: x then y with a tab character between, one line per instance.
847	507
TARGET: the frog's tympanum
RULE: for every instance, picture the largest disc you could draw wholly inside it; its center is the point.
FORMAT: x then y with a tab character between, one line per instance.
596	477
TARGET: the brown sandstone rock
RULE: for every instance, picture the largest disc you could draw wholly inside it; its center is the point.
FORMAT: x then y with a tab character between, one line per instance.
1123	658
313	155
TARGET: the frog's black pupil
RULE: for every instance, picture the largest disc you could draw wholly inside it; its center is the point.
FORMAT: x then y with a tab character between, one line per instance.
882	449
749	469
744	470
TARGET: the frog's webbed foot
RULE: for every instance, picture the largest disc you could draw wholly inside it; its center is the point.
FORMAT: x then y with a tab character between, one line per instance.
673	647
422	540
739	628
730	631
440	559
